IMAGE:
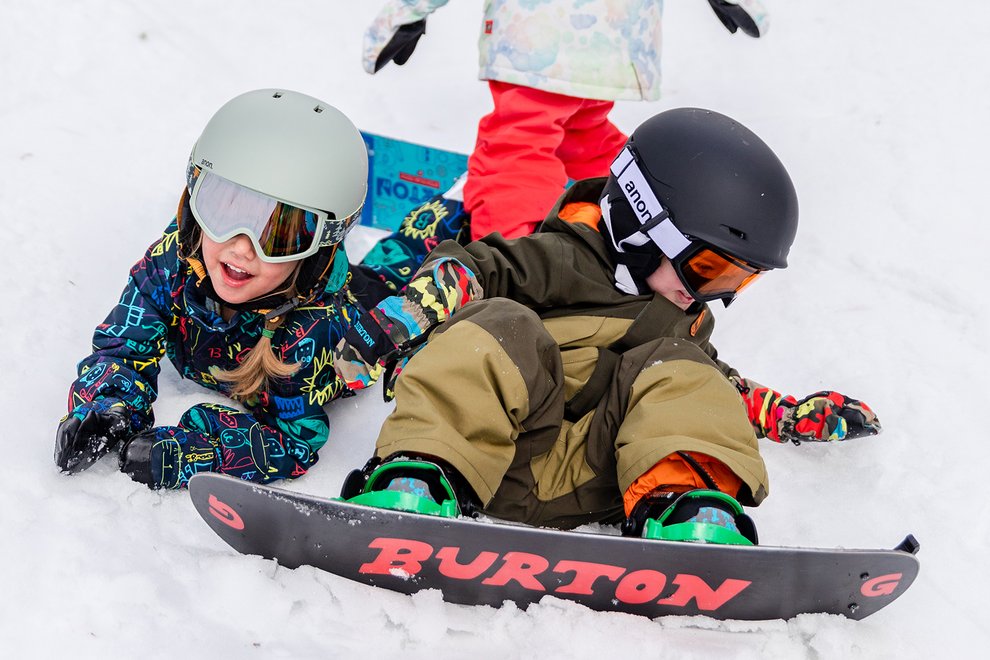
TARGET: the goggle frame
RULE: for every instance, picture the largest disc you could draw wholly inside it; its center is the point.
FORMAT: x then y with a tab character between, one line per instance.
329	230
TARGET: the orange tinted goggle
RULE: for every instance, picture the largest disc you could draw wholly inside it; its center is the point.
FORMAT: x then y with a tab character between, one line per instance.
710	274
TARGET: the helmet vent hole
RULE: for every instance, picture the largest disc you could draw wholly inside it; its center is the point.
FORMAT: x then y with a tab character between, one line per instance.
736	233
318	109
277	95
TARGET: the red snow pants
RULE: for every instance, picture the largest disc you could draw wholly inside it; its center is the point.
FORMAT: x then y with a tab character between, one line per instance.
527	149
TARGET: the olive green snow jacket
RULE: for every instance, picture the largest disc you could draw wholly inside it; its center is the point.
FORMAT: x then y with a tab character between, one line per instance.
566	275
636	386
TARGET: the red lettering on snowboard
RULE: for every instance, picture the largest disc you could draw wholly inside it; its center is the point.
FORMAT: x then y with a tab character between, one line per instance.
397	555
640	586
224	513
693	587
419	179
450	568
881	586
522	567
585	575
406	557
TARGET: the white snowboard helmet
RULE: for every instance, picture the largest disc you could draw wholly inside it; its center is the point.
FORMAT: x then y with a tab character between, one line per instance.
291	151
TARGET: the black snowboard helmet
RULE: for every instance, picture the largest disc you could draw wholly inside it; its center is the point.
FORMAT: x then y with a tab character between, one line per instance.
706	192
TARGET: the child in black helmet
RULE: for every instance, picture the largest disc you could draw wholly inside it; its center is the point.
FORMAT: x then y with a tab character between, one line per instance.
246	293
567	377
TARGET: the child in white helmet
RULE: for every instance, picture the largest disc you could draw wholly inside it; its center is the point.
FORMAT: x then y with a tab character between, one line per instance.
246	293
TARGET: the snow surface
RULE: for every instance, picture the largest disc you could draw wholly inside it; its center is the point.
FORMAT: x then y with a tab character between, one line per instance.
879	111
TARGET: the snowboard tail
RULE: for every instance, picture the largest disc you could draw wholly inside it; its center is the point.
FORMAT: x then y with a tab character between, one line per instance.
483	563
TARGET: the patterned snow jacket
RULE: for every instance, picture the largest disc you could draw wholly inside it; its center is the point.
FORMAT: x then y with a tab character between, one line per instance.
162	313
593	49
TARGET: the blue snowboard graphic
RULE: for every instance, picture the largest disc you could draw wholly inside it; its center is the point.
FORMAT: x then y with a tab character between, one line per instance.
402	175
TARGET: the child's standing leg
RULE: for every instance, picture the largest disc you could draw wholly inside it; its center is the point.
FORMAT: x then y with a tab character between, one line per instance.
515	174
591	141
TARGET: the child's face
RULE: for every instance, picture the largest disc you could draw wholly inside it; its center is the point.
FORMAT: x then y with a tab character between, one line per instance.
237	274
664	281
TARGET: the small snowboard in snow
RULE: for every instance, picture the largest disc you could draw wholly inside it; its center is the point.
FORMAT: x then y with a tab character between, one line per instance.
483	563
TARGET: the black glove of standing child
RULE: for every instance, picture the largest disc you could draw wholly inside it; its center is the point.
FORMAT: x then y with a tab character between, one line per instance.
401	45
748	15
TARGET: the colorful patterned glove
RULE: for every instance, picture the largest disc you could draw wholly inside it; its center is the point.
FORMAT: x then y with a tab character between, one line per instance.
361	356
90	431
384	339
395	259
820	417
749	15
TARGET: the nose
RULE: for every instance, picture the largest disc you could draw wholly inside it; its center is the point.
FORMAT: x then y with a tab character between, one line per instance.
242	246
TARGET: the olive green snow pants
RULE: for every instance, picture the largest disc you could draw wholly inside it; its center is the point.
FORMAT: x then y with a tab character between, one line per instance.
486	395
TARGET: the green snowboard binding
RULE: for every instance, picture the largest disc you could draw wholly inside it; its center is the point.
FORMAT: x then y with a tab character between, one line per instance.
403	484
696	516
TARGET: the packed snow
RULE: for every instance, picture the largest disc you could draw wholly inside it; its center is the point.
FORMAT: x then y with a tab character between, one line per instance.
877	108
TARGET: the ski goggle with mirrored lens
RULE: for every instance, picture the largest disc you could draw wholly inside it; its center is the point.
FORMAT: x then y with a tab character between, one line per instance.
710	274
706	272
279	231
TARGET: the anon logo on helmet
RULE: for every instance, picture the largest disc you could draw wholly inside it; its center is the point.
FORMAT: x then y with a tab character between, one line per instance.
635	188
205	163
636	200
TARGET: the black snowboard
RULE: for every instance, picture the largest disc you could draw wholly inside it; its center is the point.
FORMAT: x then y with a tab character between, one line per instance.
484	563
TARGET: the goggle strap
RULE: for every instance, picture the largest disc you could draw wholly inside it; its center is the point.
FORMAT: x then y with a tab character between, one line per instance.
653	222
334	228
638	192
669	238
325	237
653	217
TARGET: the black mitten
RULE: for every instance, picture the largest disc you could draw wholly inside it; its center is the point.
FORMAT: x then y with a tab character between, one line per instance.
86	434
401	45
749	15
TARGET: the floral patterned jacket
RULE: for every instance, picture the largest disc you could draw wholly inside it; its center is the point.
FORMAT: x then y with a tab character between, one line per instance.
593	49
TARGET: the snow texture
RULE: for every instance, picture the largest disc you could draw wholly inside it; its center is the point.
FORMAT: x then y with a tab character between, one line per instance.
877	108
